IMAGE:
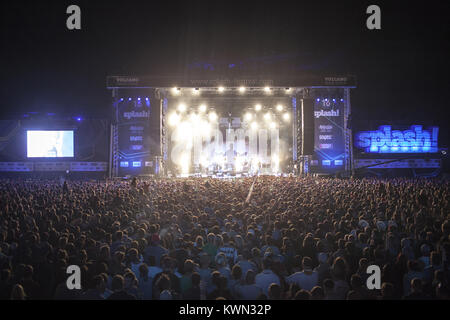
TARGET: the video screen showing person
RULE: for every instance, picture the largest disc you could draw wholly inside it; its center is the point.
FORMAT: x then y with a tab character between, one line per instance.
49	144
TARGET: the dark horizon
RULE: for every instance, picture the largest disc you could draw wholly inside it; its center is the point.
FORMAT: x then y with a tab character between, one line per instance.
400	69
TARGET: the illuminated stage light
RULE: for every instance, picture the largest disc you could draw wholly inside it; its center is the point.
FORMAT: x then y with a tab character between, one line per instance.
317	99
239	163
258	107
202	108
248	116
121	99
272	125
139	99
194	117
286	116
279	107
174	119
221	89
334	100
212	116
267	116
195	91
241	89
267	89
182	107
287	90
254	125
146	98
184	163
175	90
204	128
129	99
342	100
275	163
204	161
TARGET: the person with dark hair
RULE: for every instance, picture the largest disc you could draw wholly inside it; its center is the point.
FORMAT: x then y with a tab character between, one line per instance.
168	265
145	282
417	291
97	291
359	291
264	279
387	291
307	279
328	288
31	287
221	289
274	292
119	293
18	293
317	293
302	295
248	290
194	292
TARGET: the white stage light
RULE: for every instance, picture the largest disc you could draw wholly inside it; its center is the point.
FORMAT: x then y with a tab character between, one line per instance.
279	107
204	161
248	116
287	90
176	91
267	116
286	116
267	89
241	89
174	119
184	161
195	91
272	125
194	117
212	116
275	163
202	108
258	107
182	107
221	89
254	125
204	128
239	163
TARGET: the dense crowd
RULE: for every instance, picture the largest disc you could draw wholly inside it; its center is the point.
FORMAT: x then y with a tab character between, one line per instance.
287	238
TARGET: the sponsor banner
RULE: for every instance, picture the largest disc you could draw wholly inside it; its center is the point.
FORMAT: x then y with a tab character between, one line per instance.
133	119
329	143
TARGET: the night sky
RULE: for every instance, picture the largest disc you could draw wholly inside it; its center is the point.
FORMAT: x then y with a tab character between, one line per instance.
402	70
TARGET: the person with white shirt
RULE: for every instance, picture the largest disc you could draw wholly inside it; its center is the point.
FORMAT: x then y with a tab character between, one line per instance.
306	279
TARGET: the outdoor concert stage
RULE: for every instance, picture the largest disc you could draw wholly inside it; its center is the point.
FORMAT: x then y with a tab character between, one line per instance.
234	127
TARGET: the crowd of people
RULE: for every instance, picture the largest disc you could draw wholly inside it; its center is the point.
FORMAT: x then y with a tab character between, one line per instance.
284	238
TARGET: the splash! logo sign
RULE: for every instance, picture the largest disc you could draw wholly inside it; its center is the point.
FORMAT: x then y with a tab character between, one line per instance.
386	140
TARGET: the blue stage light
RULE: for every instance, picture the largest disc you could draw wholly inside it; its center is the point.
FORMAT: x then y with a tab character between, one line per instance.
334	100
121	99
78	118
146	98
139	99
129	99
318	100
342	100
